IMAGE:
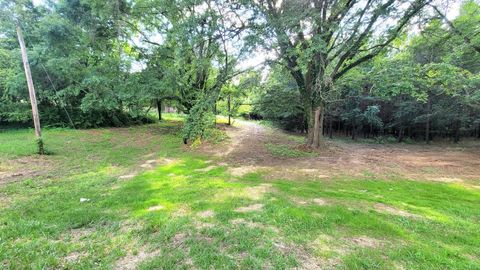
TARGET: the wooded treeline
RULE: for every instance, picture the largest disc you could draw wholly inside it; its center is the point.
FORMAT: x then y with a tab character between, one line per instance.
359	68
424	86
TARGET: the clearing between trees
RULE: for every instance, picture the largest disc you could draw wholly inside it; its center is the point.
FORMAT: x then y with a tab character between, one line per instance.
137	198
281	154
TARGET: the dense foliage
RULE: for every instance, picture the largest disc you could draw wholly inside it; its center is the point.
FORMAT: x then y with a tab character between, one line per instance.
424	87
334	69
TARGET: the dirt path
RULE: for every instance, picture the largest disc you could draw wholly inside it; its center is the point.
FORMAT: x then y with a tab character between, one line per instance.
246	151
247	138
246	145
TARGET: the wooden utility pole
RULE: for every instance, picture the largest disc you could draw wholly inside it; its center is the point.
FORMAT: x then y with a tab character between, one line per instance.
31	90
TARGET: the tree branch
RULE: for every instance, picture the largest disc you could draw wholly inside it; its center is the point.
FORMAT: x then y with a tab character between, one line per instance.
455	30
412	11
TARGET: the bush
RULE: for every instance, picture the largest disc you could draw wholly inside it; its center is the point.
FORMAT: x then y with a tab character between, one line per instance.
282	106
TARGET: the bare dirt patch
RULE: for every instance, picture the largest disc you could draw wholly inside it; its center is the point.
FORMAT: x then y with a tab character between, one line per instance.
333	248
131	261
241	221
182	211
203	225
206	214
246	150
320	201
74	257
446	179
152	163
243	170
146	166
179	238
206	169
298	200
303	201
166	161
126	177
365	241
250	208
251	192
76	235
155	208
149	155
257	192
25	167
306	259
383	208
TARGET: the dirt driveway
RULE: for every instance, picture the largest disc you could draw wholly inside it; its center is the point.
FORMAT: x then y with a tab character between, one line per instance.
246	151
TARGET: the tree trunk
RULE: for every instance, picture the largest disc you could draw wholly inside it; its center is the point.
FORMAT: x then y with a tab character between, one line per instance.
159	109
310	124
427	131
427	125
229	110
317	127
353	131
215	113
400	135
330	134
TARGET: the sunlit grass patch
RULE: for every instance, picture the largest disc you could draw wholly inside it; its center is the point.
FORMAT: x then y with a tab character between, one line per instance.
188	211
180	117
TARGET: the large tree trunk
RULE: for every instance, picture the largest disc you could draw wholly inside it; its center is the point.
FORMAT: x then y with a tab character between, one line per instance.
317	127
310	115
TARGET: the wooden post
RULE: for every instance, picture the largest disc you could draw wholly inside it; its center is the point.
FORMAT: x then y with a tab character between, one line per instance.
31	90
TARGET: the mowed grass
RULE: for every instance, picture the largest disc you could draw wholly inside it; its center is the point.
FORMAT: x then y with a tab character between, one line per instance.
189	212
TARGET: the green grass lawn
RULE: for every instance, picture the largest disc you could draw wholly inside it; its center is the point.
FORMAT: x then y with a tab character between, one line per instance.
187	212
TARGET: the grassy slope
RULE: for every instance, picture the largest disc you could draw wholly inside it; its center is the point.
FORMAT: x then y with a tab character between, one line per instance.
43	224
